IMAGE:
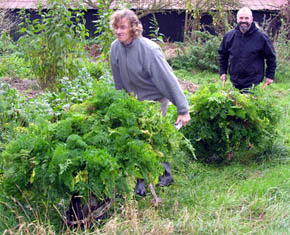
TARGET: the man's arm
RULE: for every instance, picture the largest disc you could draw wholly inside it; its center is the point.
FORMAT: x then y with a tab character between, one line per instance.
164	79
115	71
270	56
223	59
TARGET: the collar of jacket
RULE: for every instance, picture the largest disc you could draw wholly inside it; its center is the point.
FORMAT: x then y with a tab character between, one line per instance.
130	44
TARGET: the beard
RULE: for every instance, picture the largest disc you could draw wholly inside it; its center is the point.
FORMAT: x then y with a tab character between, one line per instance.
244	26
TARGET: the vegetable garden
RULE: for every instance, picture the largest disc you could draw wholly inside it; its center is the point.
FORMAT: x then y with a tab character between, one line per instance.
71	154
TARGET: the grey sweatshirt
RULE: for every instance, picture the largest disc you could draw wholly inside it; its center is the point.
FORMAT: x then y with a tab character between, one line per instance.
140	68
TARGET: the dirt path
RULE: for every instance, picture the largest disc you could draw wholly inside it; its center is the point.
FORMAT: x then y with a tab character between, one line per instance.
29	88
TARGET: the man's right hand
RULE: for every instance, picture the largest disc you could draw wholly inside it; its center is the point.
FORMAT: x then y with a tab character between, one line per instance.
224	77
184	118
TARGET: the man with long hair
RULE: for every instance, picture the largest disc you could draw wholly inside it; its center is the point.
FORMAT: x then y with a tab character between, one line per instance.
139	67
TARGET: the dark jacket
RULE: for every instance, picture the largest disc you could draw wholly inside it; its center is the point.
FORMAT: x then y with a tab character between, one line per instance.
245	55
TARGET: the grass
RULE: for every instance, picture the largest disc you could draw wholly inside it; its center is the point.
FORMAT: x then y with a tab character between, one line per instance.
198	77
240	197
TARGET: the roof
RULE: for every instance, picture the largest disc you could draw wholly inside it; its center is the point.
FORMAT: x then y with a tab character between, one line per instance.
264	4
18	4
175	4
23	4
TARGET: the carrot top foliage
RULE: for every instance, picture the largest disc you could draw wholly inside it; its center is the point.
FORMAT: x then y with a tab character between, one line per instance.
97	147
223	121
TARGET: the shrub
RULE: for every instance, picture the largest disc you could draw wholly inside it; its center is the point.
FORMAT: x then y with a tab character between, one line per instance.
14	66
282	47
201	53
17	111
223	121
104	34
53	42
7	46
11	113
99	146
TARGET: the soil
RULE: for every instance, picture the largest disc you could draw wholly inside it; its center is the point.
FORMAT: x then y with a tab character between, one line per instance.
187	85
30	88
169	50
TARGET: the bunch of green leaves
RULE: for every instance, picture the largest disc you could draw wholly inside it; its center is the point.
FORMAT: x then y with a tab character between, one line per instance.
99	146
200	53
14	66
53	42
154	31
224	121
95	69
283	54
104	34
7	46
12	113
16	110
70	91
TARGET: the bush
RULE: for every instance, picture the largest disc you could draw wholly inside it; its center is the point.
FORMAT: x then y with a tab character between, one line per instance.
14	66
53	42
99	146
282	47
17	111
12	115
7	46
201	53
224	121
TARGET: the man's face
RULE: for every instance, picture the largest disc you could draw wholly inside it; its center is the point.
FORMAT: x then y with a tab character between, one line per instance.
244	21
123	31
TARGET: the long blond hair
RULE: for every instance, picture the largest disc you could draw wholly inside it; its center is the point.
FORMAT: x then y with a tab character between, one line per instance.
134	22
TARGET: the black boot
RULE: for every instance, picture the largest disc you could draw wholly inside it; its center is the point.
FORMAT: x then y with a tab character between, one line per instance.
140	188
167	178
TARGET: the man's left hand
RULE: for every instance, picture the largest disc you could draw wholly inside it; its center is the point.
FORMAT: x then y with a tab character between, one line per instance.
269	81
184	118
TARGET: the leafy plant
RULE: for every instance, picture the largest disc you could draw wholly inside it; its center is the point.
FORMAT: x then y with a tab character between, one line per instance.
200	53
95	69
227	121
14	66
283	54
52	42
105	36
7	46
154	31
12	115
16	111
98	146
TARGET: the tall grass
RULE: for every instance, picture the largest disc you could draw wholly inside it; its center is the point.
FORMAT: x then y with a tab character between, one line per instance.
282	47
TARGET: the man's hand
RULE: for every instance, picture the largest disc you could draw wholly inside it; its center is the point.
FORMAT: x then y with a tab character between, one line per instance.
269	81
224	77
184	118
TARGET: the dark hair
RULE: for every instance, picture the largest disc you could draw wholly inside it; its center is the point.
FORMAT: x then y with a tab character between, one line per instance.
134	22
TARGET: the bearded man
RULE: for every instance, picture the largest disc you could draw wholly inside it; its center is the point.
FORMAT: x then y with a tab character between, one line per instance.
243	53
